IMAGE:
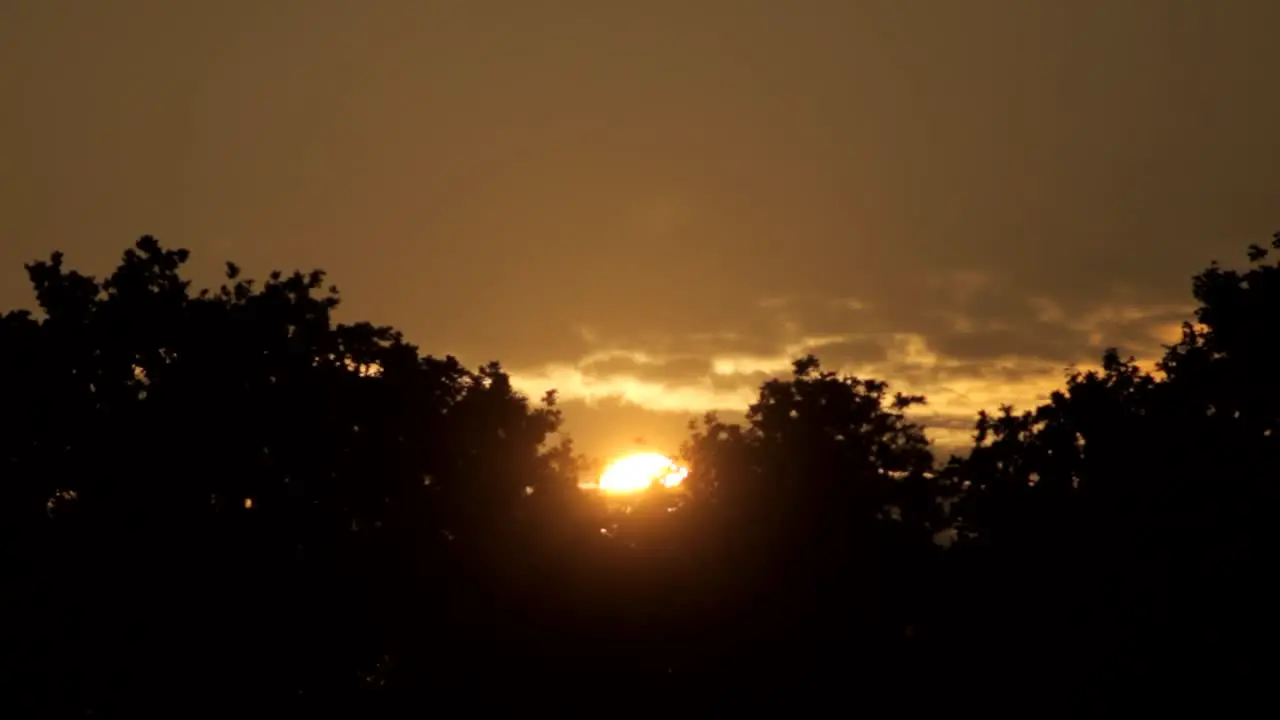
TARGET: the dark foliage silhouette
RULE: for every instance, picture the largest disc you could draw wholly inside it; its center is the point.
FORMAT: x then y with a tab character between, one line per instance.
216	488
223	500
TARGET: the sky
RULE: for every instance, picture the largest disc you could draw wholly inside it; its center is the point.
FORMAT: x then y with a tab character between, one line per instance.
654	206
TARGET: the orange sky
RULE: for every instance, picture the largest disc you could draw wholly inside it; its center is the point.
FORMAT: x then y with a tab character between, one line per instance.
653	205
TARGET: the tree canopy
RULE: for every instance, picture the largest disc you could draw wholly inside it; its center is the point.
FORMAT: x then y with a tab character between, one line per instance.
225	498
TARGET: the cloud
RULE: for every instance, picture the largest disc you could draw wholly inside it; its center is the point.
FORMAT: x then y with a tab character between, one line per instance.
977	348
1000	196
686	395
645	367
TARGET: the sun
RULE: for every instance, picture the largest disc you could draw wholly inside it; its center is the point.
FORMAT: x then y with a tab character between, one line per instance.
636	473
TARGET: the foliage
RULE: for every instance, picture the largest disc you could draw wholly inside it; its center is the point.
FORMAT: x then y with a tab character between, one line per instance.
226	494
237	443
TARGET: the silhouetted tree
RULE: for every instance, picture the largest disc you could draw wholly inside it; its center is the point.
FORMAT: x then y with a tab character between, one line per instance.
223	499
225	492
821	512
1114	536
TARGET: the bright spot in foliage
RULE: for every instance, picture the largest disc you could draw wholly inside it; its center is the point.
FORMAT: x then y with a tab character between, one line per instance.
636	473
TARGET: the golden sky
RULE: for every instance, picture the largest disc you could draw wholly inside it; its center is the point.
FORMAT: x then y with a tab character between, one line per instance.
654	205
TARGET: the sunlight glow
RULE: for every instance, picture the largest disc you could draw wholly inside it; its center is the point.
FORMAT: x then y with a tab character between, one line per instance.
636	473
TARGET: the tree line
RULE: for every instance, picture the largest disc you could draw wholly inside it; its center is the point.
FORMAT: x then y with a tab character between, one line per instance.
223	500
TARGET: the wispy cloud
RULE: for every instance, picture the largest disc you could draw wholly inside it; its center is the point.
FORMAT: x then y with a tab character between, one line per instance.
577	382
957	386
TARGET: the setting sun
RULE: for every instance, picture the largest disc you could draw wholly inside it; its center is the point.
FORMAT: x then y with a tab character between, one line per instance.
635	473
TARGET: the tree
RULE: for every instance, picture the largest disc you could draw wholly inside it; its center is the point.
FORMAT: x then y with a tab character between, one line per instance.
279	504
1134	507
225	494
821	510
